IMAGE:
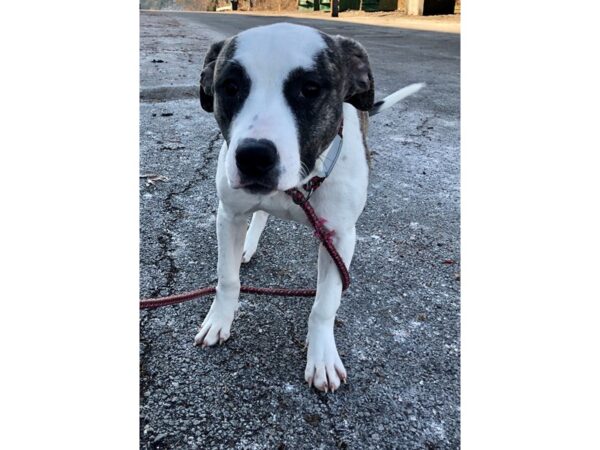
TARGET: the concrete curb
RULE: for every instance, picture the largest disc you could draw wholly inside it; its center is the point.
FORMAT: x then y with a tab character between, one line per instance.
168	93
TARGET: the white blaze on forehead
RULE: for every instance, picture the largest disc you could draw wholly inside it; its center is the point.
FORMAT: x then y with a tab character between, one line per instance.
268	55
281	48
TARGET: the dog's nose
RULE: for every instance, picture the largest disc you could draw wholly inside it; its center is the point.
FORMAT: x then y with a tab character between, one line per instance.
255	158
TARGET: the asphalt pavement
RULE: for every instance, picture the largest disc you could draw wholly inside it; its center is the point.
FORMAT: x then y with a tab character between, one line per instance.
398	326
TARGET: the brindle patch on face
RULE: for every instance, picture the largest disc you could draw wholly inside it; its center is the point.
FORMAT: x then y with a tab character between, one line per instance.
228	102
317	116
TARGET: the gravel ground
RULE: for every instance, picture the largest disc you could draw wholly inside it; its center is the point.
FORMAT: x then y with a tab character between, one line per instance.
398	326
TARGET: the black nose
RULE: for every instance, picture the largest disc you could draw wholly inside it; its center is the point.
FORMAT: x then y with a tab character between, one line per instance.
256	158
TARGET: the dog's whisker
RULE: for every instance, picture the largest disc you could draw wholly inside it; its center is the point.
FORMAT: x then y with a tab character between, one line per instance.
303	170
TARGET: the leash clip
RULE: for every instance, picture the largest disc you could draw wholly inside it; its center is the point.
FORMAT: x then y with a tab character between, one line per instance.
297	197
308	194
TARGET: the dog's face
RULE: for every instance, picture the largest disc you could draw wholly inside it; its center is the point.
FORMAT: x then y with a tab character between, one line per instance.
277	93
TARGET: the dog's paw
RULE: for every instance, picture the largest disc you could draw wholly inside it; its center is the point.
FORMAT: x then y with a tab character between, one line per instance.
215	328
324	368
248	254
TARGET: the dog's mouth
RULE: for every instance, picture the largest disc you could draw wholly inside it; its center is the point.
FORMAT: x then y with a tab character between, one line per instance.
256	187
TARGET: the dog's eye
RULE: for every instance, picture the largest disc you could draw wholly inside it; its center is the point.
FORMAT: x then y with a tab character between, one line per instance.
230	88
310	89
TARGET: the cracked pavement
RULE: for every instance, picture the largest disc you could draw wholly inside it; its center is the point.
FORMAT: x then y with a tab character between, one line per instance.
398	326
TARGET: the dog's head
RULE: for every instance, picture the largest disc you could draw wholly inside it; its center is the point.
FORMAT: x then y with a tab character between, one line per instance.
277	92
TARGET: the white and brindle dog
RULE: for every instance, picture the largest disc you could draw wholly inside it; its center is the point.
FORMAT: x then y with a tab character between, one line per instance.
279	94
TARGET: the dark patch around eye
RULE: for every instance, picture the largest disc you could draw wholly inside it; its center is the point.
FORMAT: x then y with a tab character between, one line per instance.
310	90
315	98
232	87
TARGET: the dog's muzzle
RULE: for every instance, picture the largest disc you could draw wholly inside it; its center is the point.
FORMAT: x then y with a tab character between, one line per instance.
257	162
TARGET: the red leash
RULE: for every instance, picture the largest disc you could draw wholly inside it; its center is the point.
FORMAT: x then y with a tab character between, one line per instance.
321	232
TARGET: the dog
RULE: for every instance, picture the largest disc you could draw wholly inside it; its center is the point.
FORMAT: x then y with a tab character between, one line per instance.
281	94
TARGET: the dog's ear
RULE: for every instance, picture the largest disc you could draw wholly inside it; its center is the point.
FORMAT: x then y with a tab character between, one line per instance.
207	76
360	88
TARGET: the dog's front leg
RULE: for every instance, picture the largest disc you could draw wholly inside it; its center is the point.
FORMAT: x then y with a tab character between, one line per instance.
324	368
231	229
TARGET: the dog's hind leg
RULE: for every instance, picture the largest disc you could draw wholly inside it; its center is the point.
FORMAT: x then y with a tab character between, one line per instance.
257	225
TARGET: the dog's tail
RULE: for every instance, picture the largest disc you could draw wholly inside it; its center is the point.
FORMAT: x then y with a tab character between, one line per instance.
394	98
